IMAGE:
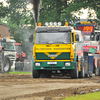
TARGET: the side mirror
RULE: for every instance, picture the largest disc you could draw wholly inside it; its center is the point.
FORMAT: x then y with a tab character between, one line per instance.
77	37
97	38
31	38
2	48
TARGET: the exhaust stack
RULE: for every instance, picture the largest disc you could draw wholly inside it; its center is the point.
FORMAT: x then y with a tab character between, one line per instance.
36	5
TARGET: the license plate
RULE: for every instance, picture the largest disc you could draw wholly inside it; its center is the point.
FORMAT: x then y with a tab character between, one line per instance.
51	62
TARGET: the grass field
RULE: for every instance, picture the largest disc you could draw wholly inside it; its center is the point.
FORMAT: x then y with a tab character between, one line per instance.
20	72
90	96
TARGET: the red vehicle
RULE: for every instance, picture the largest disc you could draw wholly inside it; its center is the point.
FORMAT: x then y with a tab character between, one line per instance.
87	30
20	55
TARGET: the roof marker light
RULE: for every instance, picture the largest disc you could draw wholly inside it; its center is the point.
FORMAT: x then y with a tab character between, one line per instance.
46	24
93	22
9	37
59	23
51	23
55	23
39	24
66	23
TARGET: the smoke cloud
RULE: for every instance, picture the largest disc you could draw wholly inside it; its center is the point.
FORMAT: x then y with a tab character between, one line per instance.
35	8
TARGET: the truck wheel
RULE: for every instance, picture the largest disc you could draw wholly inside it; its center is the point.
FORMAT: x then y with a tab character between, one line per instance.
74	72
97	71
7	65
35	73
82	74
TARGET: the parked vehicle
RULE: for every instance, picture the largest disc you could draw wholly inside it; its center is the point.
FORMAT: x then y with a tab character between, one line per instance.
5	61
91	44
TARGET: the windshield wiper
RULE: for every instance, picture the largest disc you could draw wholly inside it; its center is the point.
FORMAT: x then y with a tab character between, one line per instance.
42	42
58	42
51	42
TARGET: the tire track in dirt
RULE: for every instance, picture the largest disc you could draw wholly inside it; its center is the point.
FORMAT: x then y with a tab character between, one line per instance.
24	87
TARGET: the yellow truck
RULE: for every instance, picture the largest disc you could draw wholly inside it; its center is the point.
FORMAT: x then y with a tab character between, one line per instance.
57	50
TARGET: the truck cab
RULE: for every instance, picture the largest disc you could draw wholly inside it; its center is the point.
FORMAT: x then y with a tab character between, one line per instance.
9	49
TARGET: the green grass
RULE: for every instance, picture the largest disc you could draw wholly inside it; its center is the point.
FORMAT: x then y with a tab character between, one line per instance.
20	72
90	96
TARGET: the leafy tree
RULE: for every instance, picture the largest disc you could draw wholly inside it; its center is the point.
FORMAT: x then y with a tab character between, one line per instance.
18	12
50	11
18	17
3	10
61	10
77	5
55	11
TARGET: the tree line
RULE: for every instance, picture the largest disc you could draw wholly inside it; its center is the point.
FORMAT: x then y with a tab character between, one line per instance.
16	15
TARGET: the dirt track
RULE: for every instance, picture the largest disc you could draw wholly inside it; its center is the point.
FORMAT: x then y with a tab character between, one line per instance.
24	87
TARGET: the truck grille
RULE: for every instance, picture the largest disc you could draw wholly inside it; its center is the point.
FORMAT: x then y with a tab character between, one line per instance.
62	56
12	57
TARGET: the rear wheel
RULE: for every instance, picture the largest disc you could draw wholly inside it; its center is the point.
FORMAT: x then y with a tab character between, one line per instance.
74	72
7	65
97	71
82	72
36	73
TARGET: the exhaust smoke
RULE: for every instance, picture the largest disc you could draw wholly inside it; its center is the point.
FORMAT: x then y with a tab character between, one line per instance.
35	8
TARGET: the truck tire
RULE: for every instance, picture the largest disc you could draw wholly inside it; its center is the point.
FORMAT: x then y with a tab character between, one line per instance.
74	72
35	73
82	72
7	65
96	71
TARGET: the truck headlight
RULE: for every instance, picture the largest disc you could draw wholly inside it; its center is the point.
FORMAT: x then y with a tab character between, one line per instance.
37	64
67	63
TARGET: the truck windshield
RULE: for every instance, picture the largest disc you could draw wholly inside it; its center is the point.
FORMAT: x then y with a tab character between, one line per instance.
87	37
18	49
53	38
8	45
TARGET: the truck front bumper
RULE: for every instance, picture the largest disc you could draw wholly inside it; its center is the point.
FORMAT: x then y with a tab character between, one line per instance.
53	65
